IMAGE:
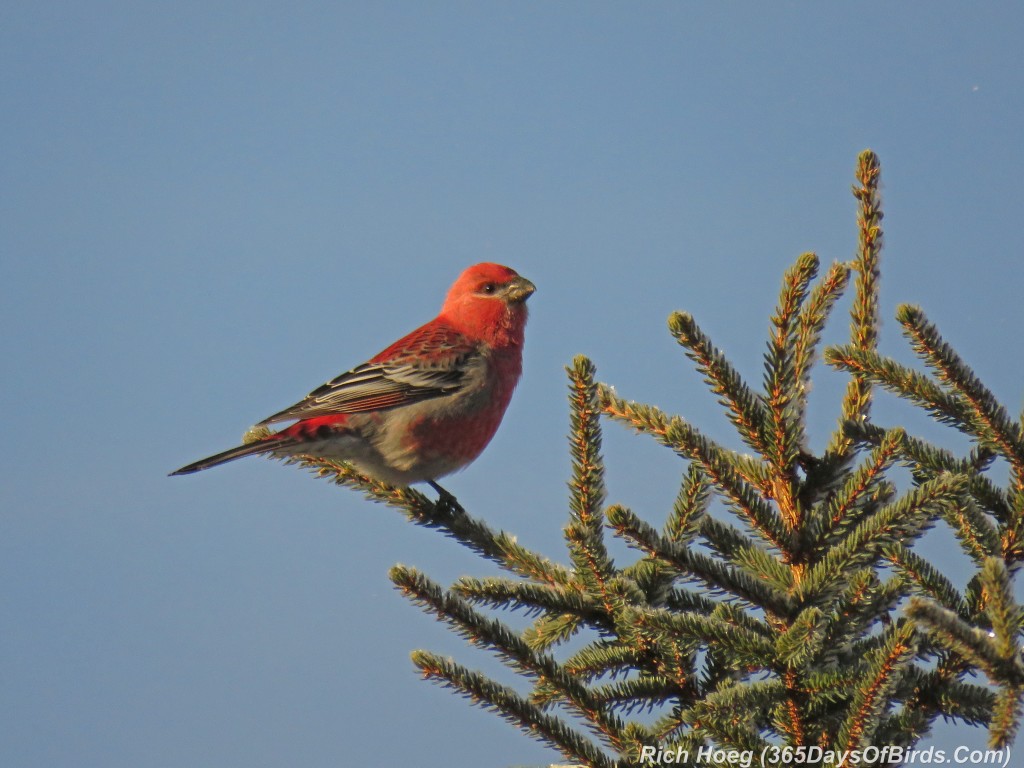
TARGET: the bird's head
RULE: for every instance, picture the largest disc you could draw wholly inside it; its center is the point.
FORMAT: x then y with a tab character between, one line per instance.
489	300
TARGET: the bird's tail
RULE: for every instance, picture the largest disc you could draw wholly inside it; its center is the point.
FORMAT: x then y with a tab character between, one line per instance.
260	446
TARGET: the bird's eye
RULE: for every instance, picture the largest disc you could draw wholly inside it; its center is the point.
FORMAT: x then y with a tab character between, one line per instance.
488	288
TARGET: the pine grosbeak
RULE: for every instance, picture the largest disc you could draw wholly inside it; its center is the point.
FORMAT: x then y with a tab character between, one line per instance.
424	407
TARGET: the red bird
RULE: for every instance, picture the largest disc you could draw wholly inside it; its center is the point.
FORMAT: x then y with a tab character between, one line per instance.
427	405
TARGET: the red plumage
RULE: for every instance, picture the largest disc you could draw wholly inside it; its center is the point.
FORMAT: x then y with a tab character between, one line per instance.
423	407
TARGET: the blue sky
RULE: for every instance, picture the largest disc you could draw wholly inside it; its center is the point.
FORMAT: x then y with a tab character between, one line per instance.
207	209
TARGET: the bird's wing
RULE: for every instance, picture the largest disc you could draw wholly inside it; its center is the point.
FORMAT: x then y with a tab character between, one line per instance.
429	362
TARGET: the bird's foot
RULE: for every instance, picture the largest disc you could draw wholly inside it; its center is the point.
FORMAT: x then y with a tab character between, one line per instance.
445	499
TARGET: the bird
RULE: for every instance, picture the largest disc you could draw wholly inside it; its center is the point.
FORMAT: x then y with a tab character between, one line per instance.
424	407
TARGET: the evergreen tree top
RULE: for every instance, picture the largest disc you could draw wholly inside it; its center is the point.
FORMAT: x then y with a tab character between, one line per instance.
782	603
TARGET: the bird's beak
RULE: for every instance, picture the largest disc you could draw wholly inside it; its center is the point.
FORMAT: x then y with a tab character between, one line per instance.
519	290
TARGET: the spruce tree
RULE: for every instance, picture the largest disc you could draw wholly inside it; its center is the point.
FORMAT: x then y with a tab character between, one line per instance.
782	606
